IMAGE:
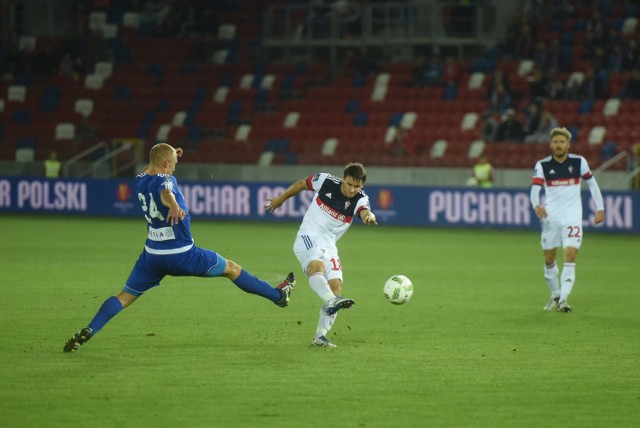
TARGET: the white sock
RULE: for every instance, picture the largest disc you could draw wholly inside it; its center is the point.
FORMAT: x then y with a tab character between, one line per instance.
320	285
568	278
551	275
325	322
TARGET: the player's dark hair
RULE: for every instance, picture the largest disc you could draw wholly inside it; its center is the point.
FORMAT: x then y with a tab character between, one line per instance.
356	171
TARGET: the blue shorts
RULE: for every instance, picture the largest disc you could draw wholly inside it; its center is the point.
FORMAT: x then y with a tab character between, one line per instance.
150	269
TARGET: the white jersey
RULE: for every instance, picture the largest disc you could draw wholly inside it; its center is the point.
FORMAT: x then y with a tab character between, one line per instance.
330	213
561	182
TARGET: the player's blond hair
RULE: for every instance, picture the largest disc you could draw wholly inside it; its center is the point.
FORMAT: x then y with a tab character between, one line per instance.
160	152
561	131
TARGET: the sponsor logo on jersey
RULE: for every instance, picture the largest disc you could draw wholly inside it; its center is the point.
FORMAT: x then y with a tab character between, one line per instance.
328	195
563	182
333	213
553	171
347	204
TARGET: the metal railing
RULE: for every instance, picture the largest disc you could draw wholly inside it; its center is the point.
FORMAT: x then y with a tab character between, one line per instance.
77	158
408	24
613	161
112	156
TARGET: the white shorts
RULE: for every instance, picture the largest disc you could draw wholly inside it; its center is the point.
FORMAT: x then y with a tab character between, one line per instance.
308	248
560	234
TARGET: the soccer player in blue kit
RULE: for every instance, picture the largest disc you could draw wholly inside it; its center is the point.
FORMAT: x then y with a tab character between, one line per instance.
170	249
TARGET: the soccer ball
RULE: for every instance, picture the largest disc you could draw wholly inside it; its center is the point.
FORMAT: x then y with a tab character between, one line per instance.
398	289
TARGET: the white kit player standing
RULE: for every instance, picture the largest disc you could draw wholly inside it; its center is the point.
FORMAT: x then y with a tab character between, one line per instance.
561	215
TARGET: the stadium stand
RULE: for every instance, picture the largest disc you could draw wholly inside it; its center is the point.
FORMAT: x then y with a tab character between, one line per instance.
208	92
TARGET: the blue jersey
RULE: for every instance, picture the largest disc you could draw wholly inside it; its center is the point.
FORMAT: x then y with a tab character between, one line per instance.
162	238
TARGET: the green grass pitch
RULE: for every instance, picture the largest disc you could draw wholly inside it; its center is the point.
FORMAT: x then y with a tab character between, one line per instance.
472	348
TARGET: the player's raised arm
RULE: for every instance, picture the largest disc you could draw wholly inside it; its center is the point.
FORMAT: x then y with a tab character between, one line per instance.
297	187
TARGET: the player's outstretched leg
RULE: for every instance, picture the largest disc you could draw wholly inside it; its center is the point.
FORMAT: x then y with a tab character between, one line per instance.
334	305
78	339
285	288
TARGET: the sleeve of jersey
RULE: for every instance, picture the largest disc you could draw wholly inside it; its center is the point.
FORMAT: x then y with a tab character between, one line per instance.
538	176
585	172
168	183
363	204
595	193
314	182
534	196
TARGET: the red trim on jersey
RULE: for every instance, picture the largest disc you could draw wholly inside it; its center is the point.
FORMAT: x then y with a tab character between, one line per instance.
587	175
537	180
333	213
309	180
563	182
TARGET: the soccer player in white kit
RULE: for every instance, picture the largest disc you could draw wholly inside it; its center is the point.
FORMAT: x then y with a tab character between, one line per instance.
331	212
561	215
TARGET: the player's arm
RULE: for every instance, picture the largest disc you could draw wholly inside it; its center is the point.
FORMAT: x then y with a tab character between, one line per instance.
597	197
176	213
368	217
536	188
297	187
541	212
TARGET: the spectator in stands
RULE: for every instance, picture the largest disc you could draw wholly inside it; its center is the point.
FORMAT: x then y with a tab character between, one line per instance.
631	54
615	59
533	117
367	62
52	166
450	72
501	100
595	24
542	132
632	88
489	127
537	85
348	63
524	42
403	144
554	62
509	128
498	78
555	89
594	84
427	72
540	55
65	68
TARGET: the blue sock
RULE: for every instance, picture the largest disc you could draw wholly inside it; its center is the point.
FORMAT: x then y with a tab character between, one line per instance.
255	285
108	310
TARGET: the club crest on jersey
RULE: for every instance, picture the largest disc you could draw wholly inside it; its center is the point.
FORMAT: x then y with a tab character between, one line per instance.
328	195
346	204
570	168
553	171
